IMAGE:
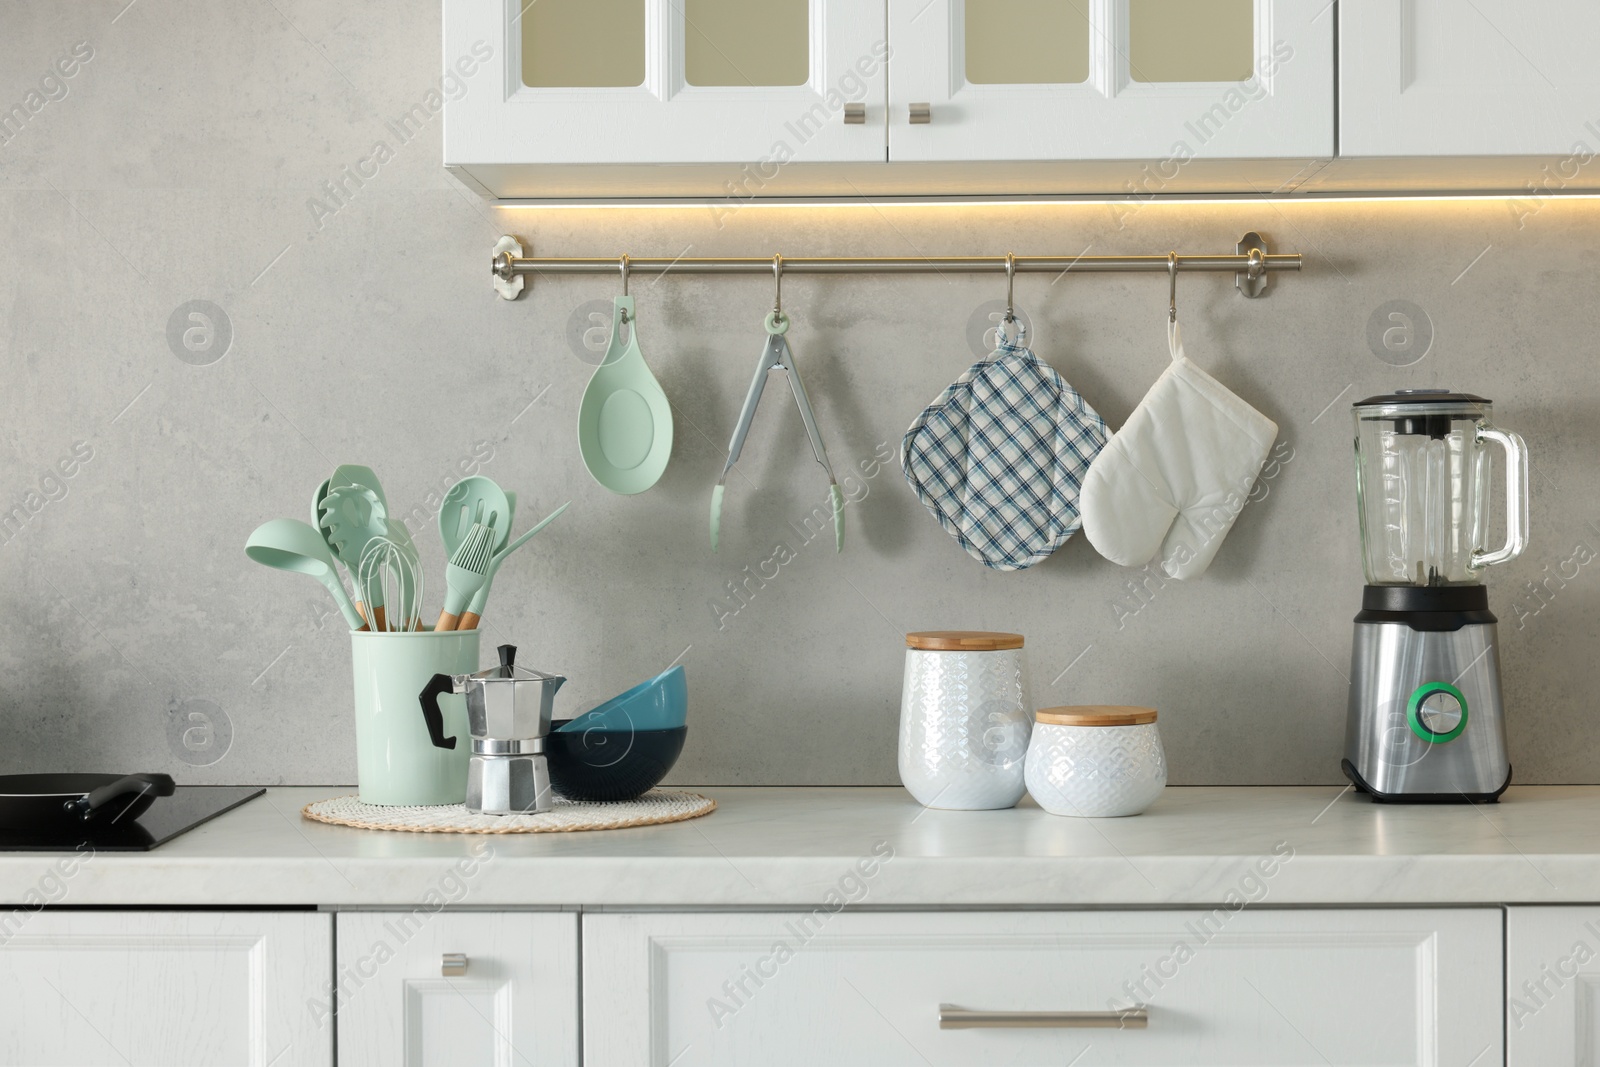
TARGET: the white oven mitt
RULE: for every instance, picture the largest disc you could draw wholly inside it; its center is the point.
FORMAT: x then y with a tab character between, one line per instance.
1176	475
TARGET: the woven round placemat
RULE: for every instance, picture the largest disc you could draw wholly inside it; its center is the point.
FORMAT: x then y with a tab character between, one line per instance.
656	806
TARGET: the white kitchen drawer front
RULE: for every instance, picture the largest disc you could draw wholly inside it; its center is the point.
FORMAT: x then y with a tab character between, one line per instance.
1119	99
1227	988
169	988
1471	78
818	55
1552	986
442	989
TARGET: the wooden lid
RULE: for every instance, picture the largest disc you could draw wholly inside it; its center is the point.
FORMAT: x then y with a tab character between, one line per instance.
962	641
1096	715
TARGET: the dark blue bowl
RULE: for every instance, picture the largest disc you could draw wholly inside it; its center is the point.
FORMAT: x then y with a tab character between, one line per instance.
610	764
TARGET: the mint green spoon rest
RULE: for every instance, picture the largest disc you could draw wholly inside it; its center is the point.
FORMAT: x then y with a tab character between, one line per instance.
624	420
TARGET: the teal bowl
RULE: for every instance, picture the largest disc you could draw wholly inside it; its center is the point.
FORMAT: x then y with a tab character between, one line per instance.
662	703
607	765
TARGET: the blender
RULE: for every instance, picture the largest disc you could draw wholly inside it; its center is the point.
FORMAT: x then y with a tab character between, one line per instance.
1425	720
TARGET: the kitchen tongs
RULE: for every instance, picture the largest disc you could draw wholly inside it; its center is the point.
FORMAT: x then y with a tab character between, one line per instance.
777	356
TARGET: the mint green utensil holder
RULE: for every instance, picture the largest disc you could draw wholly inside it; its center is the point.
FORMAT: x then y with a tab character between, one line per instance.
396	762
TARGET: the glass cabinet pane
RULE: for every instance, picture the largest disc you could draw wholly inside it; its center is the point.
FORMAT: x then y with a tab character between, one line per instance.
746	42
1191	40
582	43
1027	42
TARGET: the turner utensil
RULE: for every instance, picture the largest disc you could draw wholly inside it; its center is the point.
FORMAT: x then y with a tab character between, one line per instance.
464	575
469	621
472	500
291	545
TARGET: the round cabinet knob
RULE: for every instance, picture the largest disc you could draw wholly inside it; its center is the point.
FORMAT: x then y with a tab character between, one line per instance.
1437	712
454	964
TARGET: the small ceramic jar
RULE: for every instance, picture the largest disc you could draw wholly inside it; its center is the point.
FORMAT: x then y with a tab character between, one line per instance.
964	719
1096	762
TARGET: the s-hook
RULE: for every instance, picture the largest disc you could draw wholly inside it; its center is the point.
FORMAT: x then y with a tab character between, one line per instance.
777	299
1011	280
622	261
1172	287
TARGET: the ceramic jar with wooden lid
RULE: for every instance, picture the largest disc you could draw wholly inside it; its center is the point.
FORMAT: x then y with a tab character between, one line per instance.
965	717
1096	761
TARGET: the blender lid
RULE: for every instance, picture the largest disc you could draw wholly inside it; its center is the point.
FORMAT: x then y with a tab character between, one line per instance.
1420	396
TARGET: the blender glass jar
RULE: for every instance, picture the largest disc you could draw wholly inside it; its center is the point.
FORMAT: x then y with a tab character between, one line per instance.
1423	488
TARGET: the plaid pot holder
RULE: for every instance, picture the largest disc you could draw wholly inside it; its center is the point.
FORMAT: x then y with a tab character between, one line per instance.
999	457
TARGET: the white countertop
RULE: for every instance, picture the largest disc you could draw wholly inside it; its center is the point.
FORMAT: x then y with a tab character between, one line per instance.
789	847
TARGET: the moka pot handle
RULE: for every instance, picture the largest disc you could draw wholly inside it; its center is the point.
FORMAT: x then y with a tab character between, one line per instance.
439	685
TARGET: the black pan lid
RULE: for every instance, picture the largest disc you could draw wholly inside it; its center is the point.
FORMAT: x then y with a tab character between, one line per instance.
1420	396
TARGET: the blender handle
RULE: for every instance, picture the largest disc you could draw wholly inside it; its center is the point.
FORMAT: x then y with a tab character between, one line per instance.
1516	497
438	686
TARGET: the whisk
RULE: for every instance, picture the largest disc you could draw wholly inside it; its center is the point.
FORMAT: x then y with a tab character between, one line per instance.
389	573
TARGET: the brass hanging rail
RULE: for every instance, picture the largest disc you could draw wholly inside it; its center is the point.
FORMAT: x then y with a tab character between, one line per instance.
1251	265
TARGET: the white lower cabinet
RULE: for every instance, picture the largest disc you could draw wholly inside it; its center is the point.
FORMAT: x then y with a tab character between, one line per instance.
428	988
170	988
1234	988
1552	986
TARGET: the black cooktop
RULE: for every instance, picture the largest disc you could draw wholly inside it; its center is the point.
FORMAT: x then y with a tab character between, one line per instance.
186	808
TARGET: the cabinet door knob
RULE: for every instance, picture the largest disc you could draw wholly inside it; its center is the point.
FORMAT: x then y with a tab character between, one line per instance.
921	114
855	114
454	964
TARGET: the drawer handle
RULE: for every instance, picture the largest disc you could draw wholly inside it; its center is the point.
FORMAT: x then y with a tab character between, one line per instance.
921	114
855	114
454	964
954	1018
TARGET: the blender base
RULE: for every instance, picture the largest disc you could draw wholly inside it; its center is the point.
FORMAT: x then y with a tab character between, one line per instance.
1422	798
1425	722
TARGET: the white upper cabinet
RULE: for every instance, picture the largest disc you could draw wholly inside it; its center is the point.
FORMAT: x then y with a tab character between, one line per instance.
1468	78
663	81
1111	79
595	99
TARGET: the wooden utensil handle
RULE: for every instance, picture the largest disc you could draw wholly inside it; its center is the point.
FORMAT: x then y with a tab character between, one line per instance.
382	621
469	621
446	621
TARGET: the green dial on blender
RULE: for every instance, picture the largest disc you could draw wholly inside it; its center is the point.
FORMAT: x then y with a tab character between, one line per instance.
1437	712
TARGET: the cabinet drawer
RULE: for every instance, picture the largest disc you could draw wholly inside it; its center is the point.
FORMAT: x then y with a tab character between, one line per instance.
509	995
171	988
1219	987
